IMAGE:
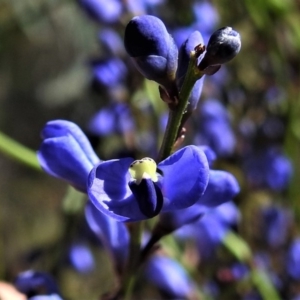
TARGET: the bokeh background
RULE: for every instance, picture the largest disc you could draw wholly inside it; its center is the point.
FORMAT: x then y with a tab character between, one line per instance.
47	52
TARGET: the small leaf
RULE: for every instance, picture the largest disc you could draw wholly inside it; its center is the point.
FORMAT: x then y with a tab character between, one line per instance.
237	246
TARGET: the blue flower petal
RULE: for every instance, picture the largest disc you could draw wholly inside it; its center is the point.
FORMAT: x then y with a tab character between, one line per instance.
173	220
66	153
59	128
222	187
148	195
61	157
185	177
169	276
109	191
112	233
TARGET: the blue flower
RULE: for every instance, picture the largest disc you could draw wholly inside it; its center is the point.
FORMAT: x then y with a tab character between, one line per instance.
169	276
222	187
115	118
66	153
189	45
112	41
276	224
109	72
206	16
114	235
103	11
178	182
81	258
152	49
214	128
35	284
293	259
209	231
46	297
223	45
268	168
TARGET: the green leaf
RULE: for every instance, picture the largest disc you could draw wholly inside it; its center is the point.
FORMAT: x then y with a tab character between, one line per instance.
264	285
237	247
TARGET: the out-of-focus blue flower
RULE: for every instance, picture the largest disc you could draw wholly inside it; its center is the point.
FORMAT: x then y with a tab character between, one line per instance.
209	231
34	283
223	45
112	41
235	272
46	297
276	225
103	11
210	154
113	234
214	128
66	153
181	33
125	197
183	61
169	276
81	258
109	72
293	260
268	168
152	49
206	16
116	118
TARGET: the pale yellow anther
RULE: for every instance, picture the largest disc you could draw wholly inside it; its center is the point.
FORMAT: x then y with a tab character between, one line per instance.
143	168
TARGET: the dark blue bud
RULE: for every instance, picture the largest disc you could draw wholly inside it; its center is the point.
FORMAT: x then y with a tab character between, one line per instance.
223	45
152	49
149	197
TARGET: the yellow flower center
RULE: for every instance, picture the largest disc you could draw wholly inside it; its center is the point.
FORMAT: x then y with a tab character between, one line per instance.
143	168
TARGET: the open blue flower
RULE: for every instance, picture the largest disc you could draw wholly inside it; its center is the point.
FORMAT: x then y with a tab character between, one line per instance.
66	153
178	182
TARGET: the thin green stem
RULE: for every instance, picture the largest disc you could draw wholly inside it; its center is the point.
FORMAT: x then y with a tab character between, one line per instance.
131	272
18	152
175	116
242	252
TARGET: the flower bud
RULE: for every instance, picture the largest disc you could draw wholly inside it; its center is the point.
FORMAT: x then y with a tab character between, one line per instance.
152	49
189	45
223	45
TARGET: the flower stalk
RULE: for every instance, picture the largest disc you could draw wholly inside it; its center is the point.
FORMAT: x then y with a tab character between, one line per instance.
18	152
175	116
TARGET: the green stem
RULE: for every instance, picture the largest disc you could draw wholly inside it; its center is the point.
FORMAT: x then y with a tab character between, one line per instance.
175	116
242	252
18	152
131	272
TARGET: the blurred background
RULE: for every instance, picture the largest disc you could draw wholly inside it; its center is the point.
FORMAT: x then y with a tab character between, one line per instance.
64	60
